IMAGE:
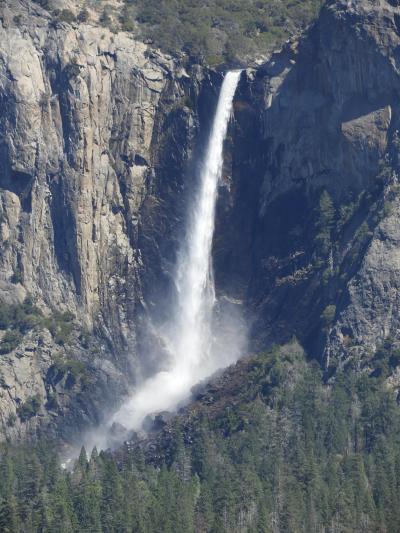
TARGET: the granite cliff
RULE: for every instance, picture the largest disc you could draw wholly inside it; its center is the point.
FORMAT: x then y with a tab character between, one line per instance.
309	229
96	134
99	137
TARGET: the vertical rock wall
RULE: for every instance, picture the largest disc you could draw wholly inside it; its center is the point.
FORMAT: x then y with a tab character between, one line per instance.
96	131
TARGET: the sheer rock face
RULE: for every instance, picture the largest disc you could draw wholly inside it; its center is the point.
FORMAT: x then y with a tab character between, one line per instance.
323	114
95	135
79	112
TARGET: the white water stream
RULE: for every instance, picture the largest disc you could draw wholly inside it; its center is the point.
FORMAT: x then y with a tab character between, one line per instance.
188	337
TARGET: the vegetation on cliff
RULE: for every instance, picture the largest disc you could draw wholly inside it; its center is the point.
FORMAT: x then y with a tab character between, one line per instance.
18	319
220	30
215	31
268	447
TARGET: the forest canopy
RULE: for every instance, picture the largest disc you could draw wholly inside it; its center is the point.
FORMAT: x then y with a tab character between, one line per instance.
219	30
278	450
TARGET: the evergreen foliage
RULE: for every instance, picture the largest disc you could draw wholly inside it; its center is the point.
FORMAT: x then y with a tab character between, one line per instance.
325	221
29	408
10	341
21	317
219	30
285	453
60	326
66	15
18	319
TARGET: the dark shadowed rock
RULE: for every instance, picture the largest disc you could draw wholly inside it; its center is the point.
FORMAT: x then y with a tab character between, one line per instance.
156	421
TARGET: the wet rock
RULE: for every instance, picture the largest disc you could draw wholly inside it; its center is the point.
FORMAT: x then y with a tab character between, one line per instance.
157	421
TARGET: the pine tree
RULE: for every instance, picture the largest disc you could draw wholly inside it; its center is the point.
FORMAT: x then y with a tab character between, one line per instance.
325	219
62	517
9	520
112	511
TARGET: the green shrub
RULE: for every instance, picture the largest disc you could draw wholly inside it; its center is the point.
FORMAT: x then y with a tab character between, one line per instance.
17	276
10	341
12	418
83	15
52	402
72	70
127	25
386	358
364	232
22	317
84	338
60	326
324	223
66	15
72	366
328	315
29	408
27	316
105	18
73	369
394	359
6	315
346	212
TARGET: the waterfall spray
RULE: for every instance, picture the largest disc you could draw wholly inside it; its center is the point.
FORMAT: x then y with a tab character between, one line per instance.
188	335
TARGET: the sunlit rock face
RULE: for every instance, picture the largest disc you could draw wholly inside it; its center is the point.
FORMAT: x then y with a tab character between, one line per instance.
82	121
96	133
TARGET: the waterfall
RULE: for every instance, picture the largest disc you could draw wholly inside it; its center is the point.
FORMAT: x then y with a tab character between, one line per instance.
194	280
188	336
